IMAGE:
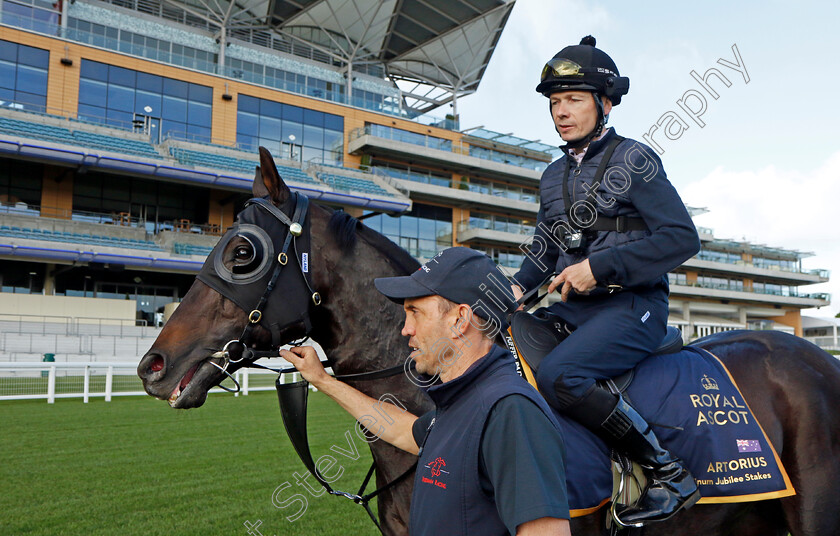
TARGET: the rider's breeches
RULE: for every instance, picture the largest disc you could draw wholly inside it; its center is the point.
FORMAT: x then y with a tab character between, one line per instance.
613	334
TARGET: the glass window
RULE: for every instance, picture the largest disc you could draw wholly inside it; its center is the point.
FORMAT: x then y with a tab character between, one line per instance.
312	117
91	113
8	75
150	83
39	102
334	122
299	135
313	136
35	57
199	114
120	98
270	127
248	104
149	99
199	93
175	88
128	92
293	113
29	78
271	109
174	109
247	123
23	70
8	51
93	92
121	77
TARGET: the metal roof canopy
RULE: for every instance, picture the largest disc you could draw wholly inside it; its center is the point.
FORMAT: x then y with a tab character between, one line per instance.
435	51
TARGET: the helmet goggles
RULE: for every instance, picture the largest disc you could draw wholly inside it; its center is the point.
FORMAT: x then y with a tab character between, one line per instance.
560	68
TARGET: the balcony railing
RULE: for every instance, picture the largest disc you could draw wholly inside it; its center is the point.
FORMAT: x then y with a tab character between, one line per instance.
706	256
496	225
772	292
440	144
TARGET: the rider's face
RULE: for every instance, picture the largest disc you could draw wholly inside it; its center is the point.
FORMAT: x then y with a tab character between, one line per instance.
575	113
429	333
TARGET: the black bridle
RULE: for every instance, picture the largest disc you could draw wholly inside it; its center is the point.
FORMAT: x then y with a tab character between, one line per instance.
292	396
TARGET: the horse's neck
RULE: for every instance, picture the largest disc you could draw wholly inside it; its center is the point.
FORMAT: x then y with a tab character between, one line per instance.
358	328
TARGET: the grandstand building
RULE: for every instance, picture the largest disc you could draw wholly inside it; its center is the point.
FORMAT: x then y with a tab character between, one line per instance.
129	130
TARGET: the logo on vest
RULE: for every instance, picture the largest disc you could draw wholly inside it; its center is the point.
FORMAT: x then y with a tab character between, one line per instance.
436	470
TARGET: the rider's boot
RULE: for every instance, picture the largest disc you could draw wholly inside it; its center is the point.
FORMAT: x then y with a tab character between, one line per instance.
670	485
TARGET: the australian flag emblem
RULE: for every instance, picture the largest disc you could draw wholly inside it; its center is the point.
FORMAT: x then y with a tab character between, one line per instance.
748	445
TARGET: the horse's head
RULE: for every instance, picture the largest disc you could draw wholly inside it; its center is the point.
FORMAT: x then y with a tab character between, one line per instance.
267	248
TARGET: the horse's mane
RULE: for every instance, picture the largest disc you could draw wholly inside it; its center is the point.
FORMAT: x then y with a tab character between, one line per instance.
346	229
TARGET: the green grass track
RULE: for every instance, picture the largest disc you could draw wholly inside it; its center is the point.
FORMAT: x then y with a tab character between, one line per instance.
134	466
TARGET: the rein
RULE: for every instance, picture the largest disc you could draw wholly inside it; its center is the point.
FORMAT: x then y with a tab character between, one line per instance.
293	397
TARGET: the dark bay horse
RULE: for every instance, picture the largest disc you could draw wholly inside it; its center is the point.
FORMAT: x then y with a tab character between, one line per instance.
792	386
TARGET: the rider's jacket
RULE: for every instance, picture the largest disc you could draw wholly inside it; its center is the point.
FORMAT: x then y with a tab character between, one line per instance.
634	186
448	497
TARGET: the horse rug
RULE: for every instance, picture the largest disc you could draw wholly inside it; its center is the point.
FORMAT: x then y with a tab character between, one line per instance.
698	413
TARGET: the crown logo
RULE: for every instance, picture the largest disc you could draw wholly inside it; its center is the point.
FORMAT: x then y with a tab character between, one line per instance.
709	384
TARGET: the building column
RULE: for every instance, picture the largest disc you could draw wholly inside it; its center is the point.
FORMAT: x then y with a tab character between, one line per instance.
220	211
742	316
57	193
689	327
49	280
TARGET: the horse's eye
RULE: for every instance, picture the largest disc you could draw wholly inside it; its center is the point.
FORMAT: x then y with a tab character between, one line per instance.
244	258
242	253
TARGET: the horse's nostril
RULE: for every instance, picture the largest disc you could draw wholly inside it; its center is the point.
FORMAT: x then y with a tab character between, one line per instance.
156	365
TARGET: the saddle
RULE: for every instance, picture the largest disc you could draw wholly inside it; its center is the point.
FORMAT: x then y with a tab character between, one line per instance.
537	334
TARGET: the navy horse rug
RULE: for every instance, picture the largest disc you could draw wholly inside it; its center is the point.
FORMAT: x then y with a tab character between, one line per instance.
698	413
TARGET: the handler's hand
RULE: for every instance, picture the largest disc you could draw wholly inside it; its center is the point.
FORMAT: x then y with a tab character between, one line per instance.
577	276
305	360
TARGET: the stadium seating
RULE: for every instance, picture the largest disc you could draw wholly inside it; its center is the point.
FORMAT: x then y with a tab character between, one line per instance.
353	184
36	130
77	138
241	165
77	238
191	249
112	143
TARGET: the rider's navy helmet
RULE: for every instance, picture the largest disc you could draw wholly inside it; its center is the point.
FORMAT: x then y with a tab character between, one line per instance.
583	68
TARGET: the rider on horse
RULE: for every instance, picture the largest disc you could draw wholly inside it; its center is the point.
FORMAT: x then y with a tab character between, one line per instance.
612	226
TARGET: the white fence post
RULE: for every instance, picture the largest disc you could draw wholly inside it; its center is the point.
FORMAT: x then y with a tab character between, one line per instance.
51	386
72	372
86	393
109	383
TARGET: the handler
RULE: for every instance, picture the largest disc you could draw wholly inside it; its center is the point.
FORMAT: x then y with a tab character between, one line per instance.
491	454
612	226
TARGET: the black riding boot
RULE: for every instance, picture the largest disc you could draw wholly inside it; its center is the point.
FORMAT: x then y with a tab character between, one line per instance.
670	486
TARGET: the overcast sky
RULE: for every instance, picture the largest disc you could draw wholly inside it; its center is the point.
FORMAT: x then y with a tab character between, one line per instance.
766	162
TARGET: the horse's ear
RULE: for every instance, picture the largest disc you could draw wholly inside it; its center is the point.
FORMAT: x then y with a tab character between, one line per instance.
268	181
258	188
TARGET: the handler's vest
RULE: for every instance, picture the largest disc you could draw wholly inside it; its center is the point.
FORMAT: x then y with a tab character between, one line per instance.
447	497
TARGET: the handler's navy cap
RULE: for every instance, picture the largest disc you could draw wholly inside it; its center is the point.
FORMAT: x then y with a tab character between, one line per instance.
461	275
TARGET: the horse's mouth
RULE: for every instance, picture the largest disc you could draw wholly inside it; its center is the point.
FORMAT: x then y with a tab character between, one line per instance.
191	391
